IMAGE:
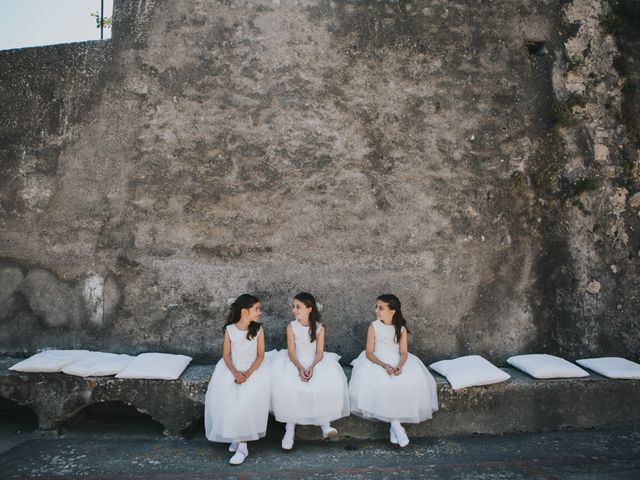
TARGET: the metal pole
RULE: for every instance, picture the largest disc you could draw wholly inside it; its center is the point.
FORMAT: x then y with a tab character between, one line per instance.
101	19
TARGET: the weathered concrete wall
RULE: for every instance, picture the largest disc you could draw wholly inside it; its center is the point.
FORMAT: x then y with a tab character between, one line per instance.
464	155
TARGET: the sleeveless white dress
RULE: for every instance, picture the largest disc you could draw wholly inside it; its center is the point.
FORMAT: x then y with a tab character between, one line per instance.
238	412
410	397
322	399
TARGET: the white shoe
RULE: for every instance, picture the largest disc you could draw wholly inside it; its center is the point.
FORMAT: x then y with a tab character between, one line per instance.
233	447
392	436
239	456
401	435
287	440
328	431
287	443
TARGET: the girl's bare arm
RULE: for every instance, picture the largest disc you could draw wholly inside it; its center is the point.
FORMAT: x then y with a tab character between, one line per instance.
371	343
226	355
319	347
260	355
404	348
291	348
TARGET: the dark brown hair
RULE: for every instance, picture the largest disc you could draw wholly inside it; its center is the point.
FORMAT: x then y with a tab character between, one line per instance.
314	316
398	319
243	301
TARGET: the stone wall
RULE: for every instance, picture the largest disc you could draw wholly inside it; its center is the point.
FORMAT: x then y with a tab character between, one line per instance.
470	157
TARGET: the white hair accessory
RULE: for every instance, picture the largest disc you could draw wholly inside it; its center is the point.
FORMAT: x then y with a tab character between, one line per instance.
230	301
319	306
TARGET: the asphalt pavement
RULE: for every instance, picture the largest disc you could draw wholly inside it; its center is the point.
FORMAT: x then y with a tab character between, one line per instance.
98	449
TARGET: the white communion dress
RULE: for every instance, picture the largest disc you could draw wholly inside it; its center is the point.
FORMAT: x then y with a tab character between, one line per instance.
410	397
238	412
324	398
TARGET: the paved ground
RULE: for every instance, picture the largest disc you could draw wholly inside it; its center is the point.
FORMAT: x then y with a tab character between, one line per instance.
99	450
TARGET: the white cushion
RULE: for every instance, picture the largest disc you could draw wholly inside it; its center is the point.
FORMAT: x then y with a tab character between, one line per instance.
160	366
472	370
540	365
98	364
612	367
48	361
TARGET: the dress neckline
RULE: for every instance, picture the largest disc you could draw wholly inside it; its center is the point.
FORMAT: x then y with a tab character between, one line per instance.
382	323
239	329
303	326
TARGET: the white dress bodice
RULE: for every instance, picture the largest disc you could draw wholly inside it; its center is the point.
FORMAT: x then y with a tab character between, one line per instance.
305	349
386	348
243	350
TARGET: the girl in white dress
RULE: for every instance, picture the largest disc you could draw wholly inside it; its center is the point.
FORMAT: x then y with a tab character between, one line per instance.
388	383
308	385
236	406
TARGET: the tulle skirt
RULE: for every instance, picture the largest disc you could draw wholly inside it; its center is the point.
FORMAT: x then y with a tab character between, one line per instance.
237	413
321	400
410	397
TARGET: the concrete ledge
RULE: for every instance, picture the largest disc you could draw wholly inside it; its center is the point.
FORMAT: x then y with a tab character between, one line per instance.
58	397
521	404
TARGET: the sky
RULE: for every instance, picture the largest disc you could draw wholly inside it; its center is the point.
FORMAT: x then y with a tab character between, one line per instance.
31	23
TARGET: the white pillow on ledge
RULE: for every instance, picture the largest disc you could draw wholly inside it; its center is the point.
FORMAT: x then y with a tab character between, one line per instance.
469	371
156	366
541	366
49	361
98	364
612	367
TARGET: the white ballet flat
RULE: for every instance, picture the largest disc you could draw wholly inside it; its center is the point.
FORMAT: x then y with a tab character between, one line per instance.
233	447
287	443
401	437
329	432
238	457
289	436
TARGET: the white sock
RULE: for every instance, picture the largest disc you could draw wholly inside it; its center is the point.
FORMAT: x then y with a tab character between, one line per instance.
396	425
290	430
242	447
